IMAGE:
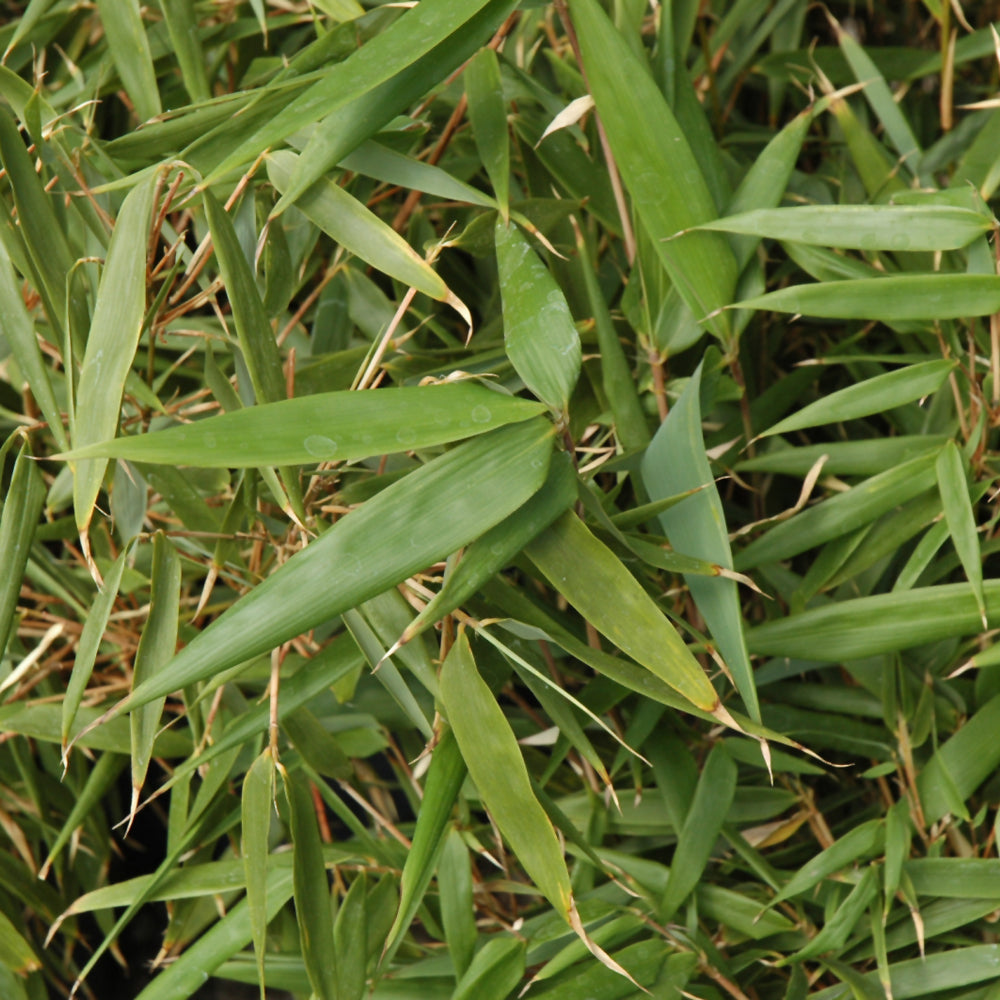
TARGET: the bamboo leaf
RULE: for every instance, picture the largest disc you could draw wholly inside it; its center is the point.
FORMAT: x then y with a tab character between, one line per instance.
22	509
258	799
884	623
256	339
444	779
867	227
494	550
873	395
891	299
408	526
357	229
845	512
19	332
334	426
489	747
457	901
129	50
312	890
350	941
488	115
494	972
675	462
539	334
111	344
585	571
658	167
155	649
702	826
960	518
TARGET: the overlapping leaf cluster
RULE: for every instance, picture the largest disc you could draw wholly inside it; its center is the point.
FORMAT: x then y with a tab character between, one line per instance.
501	495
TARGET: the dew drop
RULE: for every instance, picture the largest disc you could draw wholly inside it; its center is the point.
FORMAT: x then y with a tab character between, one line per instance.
320	447
481	414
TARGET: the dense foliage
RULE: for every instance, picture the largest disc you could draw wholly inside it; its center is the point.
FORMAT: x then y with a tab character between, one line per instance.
499	495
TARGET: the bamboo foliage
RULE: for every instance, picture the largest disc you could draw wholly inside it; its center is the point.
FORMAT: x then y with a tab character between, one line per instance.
499	498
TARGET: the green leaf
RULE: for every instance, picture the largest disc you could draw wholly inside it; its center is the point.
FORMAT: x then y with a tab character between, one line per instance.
22	509
332	426
539	334
658	168
961	764
350	941
356	97
182	26
873	395
155	649
498	547
960	518
457	901
674	463
15	953
129	50
408	526
111	344
488	115
256	338
839	925
868	626
258	802
19	332
891	299
868	227
444	779
312	889
585	571
357	229
858	844
840	514
495	971
489	748
702	826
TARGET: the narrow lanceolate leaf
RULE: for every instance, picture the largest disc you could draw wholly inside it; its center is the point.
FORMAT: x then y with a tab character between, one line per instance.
354	85
867	227
494	971
410	525
702	825
845	512
674	463
333	426
356	228
539	334
892	299
488	115
489	748
961	520
256	339
494	550
874	395
258	801
156	647
885	623
44	237
22	509
858	844
765	182
585	572
658	167
312	889
111	344
15	953
350	940
129	50
182	26
444	779
19	332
